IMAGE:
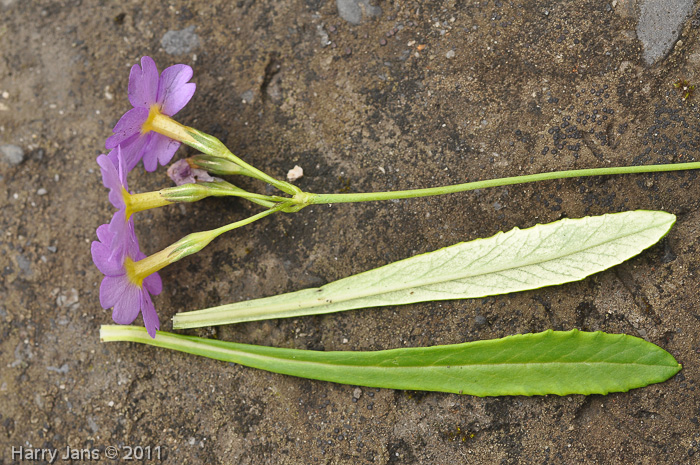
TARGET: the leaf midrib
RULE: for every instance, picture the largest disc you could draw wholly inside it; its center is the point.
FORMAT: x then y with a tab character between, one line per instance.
234	352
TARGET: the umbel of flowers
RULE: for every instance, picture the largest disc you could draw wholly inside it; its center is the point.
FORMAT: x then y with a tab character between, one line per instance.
129	282
147	133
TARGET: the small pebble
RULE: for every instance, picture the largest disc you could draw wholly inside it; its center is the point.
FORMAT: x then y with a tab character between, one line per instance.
357	393
12	154
42	191
323	35
180	42
247	96
295	173
450	54
382	41
357	11
24	264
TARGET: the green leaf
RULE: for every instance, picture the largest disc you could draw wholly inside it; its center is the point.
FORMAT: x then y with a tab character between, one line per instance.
544	255
551	362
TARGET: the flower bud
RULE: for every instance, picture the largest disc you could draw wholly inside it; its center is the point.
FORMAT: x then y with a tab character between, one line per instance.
181	172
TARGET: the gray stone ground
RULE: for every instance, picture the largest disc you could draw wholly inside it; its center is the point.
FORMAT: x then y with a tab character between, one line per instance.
417	94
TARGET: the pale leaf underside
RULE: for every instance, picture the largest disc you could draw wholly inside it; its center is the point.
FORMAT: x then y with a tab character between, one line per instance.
544	255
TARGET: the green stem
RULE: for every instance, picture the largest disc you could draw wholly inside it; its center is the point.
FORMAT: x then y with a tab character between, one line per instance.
270	200
309	199
218	166
219	231
254	172
210	145
188	245
194	192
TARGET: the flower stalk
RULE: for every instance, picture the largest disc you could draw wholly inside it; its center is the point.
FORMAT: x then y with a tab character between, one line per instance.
208	145
314	199
217	166
199	191
188	245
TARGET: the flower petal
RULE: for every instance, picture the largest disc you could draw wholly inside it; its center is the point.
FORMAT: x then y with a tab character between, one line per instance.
160	149
153	284
122	169
105	261
133	150
134	249
111	289
110	179
120	228
128	125
150	316
128	304
143	83
173	89
104	234
114	243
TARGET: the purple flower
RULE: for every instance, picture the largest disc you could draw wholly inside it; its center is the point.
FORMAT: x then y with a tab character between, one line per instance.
109	251
114	177
151	94
121	288
182	173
